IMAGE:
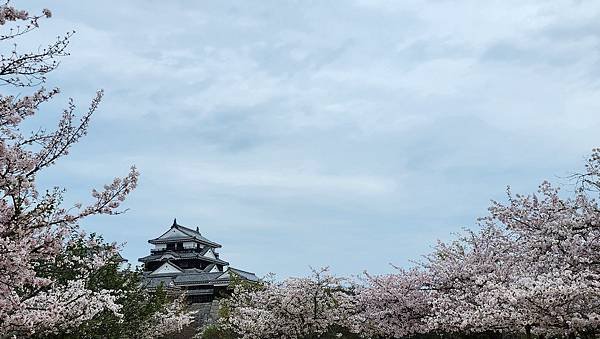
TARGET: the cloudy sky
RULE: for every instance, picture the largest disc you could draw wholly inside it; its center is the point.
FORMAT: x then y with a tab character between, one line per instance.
308	133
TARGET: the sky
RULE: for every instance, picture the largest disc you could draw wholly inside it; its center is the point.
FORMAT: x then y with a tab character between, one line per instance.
298	134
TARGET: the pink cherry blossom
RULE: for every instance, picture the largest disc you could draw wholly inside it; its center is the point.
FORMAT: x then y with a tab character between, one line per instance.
35	227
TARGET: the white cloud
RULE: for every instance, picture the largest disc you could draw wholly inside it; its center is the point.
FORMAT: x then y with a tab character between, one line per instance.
386	120
298	182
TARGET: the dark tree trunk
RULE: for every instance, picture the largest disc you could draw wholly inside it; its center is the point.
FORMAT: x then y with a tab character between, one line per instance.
528	331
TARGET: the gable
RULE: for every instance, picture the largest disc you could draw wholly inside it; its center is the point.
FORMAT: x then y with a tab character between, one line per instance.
210	254
166	268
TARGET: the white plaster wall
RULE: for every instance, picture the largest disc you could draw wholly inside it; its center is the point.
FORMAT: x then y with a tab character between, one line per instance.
210	254
165	268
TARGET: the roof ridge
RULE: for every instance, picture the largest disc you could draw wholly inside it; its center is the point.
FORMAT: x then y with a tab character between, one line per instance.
237	269
184	228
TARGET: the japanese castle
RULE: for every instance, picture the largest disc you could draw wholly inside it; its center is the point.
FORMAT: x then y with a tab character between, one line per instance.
182	260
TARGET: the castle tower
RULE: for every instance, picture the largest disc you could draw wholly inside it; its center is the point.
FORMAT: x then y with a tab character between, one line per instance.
183	260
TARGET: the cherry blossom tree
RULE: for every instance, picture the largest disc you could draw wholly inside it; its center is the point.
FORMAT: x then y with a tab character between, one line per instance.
462	274
533	267
140	313
294	308
392	305
558	241
35	227
170	319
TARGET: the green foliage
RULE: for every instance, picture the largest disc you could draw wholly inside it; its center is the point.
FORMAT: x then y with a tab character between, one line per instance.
217	332
137	304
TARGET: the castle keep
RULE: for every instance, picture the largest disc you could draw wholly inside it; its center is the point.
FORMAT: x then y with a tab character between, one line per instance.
182	260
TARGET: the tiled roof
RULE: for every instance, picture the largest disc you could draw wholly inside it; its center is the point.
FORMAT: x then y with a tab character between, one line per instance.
196	234
195	277
244	274
190	235
173	255
154	282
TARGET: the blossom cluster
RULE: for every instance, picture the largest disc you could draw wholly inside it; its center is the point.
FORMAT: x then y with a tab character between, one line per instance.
295	308
172	319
